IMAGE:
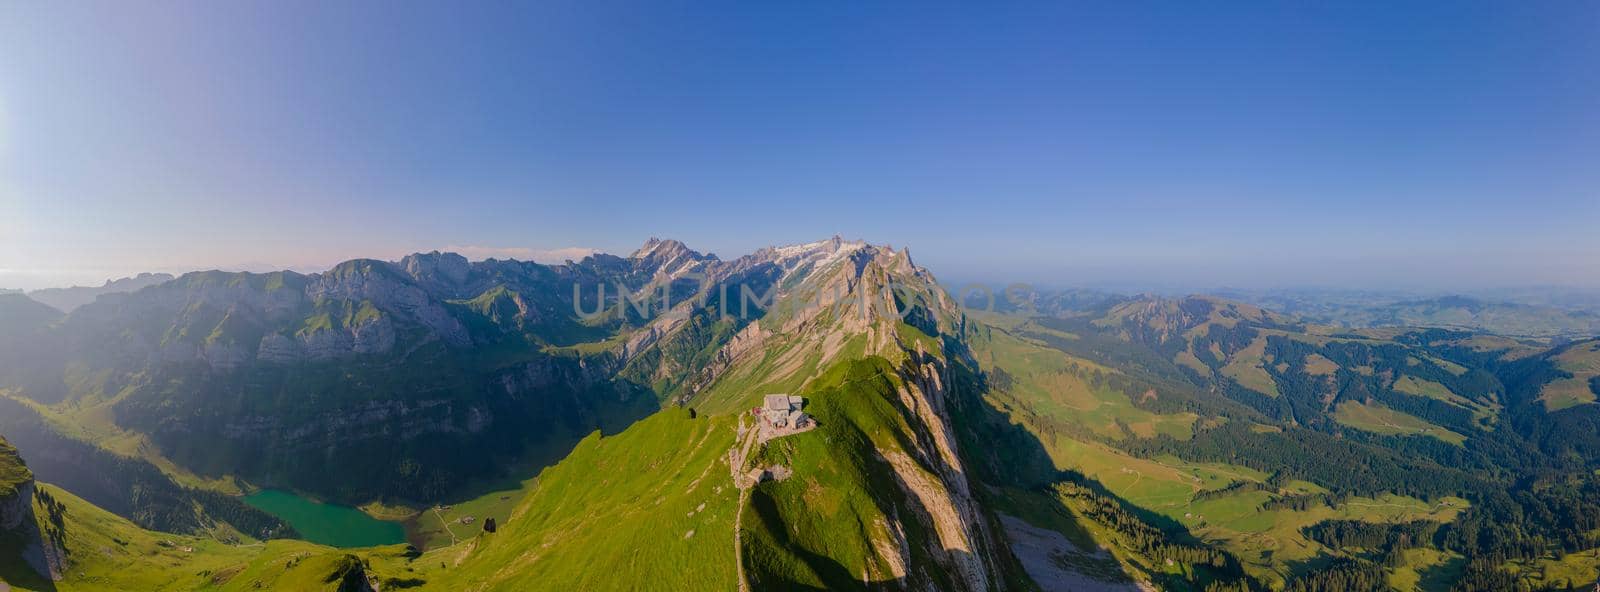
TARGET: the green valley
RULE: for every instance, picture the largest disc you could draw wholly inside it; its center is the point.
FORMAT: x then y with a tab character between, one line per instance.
388	413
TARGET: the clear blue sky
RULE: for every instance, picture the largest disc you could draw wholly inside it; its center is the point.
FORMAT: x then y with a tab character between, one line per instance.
1448	144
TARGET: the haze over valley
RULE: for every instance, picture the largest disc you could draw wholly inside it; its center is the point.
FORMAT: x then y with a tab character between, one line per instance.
377	297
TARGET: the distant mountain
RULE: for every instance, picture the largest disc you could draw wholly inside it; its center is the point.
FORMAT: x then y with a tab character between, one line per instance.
67	299
430	371
1072	440
408	380
1023	299
1355	309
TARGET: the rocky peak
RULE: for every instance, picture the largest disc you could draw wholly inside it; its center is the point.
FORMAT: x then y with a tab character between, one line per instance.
391	289
442	275
669	257
659	248
17	519
437	267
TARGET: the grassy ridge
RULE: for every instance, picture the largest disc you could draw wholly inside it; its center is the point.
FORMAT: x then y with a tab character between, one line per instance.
13	472
654	504
107	552
818	529
1085	433
1378	419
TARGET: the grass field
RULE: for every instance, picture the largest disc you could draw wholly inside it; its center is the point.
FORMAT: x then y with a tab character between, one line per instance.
1269	542
1316	365
13	473
108	552
1379	419
653	503
90	419
1246	367
1583	362
1426	570
823	527
441	525
1044	382
1484	413
1449	366
1576	569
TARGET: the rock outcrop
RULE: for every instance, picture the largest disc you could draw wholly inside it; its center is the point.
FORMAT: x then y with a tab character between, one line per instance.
22	538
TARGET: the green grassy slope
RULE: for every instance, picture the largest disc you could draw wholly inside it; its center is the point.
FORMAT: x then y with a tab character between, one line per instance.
653	504
1084	428
106	552
1582	364
1378	419
823	527
13	472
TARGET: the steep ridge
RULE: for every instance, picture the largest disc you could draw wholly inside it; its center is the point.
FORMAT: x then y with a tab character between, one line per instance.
249	340
384	369
876	496
30	550
67	299
858	330
1185	444
1258	435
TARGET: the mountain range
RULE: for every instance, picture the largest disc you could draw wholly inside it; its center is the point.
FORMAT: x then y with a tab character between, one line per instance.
67	299
600	411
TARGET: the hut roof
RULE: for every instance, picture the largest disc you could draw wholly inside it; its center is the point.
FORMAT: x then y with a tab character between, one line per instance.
777	402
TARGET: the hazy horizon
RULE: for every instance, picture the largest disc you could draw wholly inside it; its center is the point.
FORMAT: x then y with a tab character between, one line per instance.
1440	148
12	279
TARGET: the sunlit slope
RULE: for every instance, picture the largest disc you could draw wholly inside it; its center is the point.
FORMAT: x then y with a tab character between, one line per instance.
1101	421
876	495
101	551
874	502
649	508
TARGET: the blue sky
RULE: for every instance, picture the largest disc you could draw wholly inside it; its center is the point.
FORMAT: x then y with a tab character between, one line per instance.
1443	145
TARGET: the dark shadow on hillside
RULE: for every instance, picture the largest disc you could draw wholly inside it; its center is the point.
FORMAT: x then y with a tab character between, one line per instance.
528	438
834	575
14	570
1002	454
537	451
28	553
1442	576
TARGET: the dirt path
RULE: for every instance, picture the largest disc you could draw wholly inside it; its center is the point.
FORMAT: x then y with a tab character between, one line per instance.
736	461
738	548
446	524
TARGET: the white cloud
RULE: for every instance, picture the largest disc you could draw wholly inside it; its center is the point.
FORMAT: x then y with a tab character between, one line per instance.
479	253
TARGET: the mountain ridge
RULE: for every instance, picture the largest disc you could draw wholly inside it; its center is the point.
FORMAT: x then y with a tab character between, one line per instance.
1131	428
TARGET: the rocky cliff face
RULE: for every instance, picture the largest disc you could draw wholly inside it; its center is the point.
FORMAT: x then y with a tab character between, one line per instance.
17	508
831	305
16	489
962	529
390	363
22	538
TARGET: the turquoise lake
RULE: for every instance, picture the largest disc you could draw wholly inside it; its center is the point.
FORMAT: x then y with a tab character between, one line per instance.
327	524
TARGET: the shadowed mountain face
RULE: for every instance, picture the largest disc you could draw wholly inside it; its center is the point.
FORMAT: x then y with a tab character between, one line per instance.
378	379
409	378
1109	443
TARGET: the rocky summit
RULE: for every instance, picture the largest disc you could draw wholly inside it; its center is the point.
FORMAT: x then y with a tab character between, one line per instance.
440	423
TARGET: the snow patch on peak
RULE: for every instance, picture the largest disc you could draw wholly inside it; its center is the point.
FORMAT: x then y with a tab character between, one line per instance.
832	246
667	248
